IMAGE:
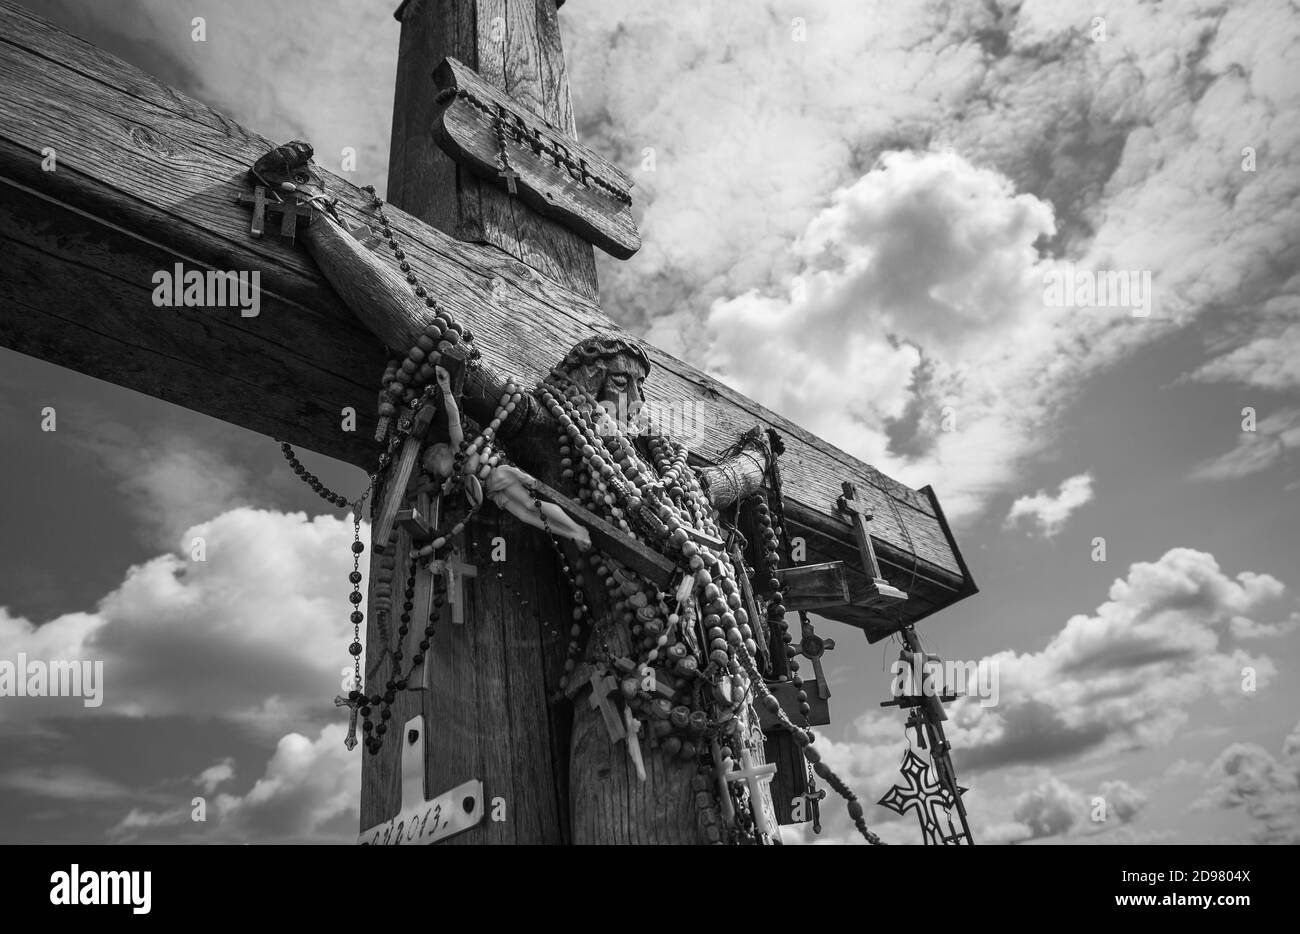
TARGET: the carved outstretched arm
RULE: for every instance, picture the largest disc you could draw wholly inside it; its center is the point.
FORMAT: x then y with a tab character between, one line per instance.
741	473
455	433
384	302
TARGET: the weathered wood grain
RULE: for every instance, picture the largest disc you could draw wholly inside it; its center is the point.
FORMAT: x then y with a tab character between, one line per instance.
467	132
420	172
612	806
497	718
64	274
417	167
608	802
150	177
485	700
542	244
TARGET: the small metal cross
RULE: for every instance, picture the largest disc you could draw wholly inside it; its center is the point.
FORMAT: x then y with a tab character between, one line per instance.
351	739
290	211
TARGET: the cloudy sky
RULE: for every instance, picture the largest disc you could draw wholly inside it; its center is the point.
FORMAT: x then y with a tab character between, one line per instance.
852	212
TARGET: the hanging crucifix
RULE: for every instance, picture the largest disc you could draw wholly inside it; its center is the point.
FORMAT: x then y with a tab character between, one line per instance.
350	741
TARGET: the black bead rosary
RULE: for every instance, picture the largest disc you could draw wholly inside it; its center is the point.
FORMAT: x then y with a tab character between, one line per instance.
398	682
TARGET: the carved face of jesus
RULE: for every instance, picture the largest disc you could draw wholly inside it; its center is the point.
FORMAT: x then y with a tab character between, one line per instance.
620	393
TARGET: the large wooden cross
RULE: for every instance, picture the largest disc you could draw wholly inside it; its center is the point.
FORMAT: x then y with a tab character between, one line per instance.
144	177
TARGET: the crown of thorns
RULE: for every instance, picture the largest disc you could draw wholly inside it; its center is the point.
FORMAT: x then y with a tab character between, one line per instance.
593	349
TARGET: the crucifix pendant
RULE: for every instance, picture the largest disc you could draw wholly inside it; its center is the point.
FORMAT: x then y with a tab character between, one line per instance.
457	572
510	175
351	740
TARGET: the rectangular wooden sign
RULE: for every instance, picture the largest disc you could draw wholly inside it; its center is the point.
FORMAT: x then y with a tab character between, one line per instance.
553	174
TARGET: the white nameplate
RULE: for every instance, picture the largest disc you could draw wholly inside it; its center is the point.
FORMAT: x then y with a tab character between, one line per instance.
420	821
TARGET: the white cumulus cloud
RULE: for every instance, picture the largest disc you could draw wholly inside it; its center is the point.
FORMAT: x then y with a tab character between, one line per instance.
256	633
1123	676
1267	788
1048	513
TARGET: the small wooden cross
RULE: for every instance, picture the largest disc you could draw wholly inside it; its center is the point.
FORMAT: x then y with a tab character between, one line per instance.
457	571
452	359
704	538
884	594
510	175
420	520
661	686
814	647
351	739
604	684
289	212
400	476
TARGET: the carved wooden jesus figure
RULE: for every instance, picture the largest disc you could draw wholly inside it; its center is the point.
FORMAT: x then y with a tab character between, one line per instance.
671	654
618	795
655	757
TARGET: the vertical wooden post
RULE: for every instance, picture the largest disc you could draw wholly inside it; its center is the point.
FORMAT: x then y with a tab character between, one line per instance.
515	45
486	706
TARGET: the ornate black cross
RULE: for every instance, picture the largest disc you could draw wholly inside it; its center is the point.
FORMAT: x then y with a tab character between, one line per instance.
926	716
927	797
